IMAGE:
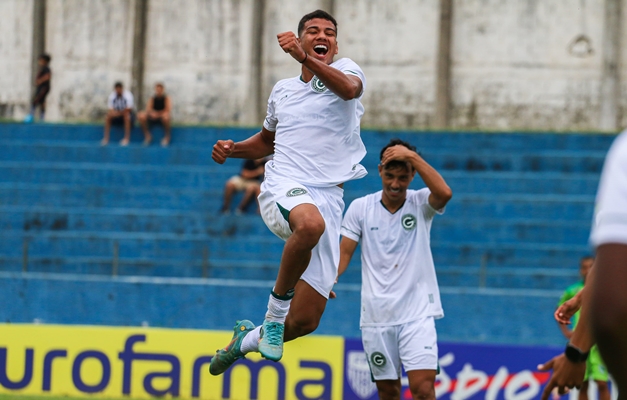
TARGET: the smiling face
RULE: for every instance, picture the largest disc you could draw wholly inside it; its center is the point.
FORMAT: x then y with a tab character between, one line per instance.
396	180
319	39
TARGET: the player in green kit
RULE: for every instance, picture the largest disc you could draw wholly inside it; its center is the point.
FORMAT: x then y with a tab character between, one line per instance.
595	369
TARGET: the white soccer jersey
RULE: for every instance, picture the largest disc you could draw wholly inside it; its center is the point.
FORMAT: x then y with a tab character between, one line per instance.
399	284
317	140
610	224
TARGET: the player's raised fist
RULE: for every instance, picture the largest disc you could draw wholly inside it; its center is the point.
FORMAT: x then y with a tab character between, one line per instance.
222	150
291	44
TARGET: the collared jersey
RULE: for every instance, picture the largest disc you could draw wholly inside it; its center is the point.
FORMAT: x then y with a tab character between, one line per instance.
317	141
399	283
610	222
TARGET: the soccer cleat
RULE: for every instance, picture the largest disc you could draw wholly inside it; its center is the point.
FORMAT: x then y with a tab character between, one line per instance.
271	340
225	357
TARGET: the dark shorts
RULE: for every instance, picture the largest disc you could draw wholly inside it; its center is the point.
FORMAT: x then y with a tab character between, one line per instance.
120	120
40	96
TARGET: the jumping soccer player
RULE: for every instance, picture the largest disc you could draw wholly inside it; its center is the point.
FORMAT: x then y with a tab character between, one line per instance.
312	127
595	369
399	294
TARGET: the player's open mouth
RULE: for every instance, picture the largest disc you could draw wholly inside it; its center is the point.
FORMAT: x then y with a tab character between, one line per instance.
321	49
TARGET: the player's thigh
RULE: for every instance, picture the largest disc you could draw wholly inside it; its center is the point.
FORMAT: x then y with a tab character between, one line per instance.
418	347
277	199
306	309
381	348
325	256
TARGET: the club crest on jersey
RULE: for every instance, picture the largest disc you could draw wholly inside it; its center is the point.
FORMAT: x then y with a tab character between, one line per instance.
295	192
408	221
378	359
317	85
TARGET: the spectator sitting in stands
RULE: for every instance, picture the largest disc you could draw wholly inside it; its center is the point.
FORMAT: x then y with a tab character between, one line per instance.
249	181
42	84
157	110
120	105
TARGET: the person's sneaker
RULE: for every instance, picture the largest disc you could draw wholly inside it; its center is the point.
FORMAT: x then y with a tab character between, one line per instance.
28	119
271	340
225	357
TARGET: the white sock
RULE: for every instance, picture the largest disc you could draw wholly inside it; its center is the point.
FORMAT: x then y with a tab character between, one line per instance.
278	306
251	341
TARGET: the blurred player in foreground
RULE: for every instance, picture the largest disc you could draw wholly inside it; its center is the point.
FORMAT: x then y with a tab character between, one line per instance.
399	294
595	369
603	300
312	127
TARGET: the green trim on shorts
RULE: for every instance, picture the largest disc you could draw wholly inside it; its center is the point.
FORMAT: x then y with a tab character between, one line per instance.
595	369
284	212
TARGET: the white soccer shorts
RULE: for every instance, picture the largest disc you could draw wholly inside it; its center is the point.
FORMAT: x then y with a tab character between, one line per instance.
413	344
279	196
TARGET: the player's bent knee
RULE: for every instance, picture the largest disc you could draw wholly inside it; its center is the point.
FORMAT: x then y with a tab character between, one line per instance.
310	229
424	390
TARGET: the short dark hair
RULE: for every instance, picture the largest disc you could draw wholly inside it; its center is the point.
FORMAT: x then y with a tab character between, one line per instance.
395	142
586	257
45	57
315	14
118	84
160	85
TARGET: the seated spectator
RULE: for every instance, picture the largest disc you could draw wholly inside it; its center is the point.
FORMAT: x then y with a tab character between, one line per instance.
157	110
248	181
120	105
42	88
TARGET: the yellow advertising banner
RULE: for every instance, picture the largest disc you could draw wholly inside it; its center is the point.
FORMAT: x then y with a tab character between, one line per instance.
151	362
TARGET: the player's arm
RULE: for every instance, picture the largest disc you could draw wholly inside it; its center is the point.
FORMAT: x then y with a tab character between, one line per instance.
42	79
566	373
609	305
347	249
567	309
347	87
168	104
441	193
259	145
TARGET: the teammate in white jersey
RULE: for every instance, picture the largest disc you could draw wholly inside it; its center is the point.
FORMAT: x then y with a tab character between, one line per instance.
399	294
603	300
312	127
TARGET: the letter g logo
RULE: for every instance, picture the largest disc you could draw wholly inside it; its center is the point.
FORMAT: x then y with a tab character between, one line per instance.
378	359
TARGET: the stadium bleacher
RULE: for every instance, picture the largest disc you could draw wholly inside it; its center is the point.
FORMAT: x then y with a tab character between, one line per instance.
518	222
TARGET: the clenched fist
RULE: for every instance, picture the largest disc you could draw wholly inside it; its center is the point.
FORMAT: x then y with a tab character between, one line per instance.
291	44
222	150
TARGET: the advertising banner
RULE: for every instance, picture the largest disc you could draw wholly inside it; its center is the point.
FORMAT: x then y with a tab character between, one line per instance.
467	371
149	362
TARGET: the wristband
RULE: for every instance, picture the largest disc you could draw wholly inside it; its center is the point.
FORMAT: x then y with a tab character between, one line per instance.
574	354
304	59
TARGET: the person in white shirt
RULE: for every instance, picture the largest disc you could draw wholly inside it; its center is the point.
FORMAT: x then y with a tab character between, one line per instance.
120	104
603	301
313	128
400	297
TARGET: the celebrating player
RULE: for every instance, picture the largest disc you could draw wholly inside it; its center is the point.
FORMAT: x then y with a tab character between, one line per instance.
312	127
399	294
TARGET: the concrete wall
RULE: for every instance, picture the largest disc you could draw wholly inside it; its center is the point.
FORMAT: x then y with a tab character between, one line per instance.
16	40
515	64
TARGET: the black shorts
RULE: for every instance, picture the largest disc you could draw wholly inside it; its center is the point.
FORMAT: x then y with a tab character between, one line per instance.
120	120
40	96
